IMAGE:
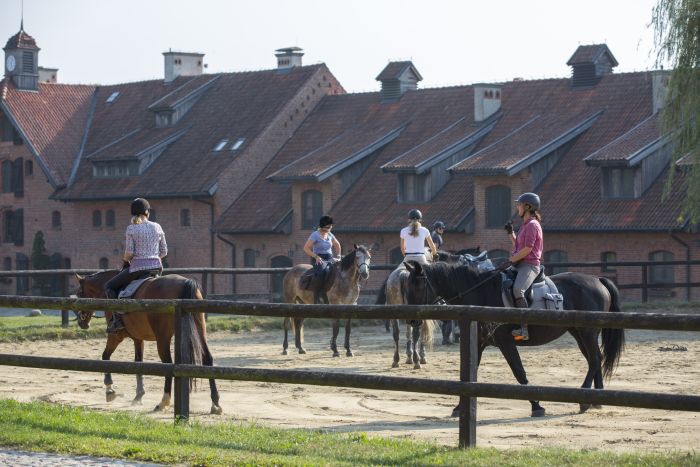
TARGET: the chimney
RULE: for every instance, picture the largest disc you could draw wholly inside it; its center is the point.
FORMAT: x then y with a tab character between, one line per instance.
397	78
589	63
182	64
48	75
289	57
487	100
659	88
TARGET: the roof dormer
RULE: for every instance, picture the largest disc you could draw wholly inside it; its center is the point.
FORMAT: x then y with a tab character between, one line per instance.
397	78
589	63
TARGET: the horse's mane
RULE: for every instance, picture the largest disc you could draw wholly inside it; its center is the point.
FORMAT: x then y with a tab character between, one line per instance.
348	260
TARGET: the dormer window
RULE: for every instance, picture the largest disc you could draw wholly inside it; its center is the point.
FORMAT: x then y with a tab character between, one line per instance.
112	97
237	145
414	188
619	182
221	145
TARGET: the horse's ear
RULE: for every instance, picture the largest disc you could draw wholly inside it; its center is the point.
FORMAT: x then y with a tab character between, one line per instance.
354	245
79	278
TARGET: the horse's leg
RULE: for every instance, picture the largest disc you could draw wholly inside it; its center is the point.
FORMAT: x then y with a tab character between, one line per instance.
510	352
299	334
285	343
456	331
396	333
334	338
409	344
446	331
348	327
208	360
138	357
387	325
416	344
587	341
113	341
165	357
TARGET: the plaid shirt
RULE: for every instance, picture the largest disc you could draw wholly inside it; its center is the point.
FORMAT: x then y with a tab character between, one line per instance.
146	241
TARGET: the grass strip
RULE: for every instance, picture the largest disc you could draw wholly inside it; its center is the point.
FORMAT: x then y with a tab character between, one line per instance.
39	426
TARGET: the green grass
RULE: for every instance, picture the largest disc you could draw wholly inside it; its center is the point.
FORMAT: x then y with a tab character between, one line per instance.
77	431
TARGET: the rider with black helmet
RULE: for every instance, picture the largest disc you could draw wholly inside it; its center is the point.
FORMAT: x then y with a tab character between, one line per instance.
527	251
413	238
320	246
436	235
145	249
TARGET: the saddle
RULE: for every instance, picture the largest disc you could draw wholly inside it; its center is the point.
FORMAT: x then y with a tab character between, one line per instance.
131	288
481	262
541	294
319	278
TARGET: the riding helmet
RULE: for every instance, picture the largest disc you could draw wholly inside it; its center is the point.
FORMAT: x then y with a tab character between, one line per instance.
139	206
415	214
529	198
325	221
439	225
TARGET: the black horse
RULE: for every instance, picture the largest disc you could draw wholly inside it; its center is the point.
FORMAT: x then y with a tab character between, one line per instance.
459	284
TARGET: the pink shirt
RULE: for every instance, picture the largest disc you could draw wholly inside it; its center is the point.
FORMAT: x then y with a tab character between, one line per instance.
530	234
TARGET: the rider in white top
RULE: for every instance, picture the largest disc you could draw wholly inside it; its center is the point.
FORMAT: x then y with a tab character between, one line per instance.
413	238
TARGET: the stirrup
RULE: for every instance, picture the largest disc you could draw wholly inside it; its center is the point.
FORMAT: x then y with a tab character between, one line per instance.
520	334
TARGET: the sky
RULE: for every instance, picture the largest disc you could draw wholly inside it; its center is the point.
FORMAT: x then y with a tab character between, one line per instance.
451	42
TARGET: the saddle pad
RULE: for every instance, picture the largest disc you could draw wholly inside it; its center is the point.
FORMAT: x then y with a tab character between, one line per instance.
133	286
545	295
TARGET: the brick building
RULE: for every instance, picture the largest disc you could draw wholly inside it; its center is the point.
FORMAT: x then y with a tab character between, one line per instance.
239	166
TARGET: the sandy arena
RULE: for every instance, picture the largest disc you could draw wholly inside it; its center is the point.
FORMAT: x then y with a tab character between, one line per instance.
652	361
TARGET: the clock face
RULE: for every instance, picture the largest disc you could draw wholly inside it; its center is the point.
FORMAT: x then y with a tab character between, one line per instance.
10	63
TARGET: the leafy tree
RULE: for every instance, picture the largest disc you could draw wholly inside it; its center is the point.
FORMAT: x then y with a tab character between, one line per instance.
676	26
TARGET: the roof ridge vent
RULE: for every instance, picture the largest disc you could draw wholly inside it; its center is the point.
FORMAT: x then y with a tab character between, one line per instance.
397	78
590	63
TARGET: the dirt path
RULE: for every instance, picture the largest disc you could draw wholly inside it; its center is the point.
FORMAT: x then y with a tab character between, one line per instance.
502	423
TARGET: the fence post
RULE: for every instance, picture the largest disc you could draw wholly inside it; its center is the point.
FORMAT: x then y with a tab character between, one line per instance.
64	318
468	362
182	385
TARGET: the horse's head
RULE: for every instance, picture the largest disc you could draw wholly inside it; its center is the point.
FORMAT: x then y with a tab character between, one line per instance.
91	286
419	290
360	258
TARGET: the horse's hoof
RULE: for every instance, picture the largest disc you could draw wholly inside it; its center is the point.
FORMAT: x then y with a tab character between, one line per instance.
409	361
349	353
423	360
537	413
416	366
285	352
302	350
158	408
596	406
110	396
137	401
446	342
395	365
583	408
336	354
215	410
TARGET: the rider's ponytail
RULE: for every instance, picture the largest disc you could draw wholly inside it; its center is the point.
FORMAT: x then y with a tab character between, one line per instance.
415	227
139	218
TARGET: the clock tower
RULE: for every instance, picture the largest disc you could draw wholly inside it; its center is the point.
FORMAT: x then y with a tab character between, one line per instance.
22	61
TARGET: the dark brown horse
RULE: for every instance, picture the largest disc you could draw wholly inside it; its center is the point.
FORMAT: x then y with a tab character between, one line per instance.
460	284
159	327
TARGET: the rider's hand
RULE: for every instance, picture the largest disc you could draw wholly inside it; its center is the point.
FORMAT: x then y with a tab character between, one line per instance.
509	228
125	264
505	265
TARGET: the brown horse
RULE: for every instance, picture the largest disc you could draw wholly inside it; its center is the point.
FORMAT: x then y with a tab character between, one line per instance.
352	268
159	327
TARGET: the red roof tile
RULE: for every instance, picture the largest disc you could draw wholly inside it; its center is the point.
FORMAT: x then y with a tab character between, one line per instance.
21	40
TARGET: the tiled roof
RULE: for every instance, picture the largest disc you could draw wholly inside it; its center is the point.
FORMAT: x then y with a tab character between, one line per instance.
535	138
137	143
394	70
630	145
197	84
53	121
590	54
21	40
235	105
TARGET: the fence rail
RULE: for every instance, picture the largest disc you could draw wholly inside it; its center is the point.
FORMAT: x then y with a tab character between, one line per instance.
467	389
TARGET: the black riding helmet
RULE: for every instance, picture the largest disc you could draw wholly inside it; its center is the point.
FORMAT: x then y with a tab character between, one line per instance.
439	225
529	198
415	214
325	221
139	206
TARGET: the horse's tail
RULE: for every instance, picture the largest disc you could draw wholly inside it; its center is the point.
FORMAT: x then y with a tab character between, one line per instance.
381	296
195	349
427	331
613	340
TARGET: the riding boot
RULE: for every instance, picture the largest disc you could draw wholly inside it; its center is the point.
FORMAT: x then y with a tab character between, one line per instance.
521	334
116	323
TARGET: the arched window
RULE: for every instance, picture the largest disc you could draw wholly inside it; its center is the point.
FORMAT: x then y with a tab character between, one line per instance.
249	256
608	257
498	206
555	256
56	219
277	278
311	208
185	217
104	263
109	218
395	256
97	218
662	273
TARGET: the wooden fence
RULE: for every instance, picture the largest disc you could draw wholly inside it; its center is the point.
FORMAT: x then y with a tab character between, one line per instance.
467	388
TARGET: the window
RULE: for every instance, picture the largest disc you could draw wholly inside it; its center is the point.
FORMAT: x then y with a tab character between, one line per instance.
221	145
618	182
498	206
6	168
249	256
97	218
109	218
27	62
395	256
185	217
237	145
13	222
28	168
661	274
56	219
112	97
104	263
311	208
555	256
608	257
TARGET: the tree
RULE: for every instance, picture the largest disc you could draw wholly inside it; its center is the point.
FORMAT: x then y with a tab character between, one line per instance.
676	26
